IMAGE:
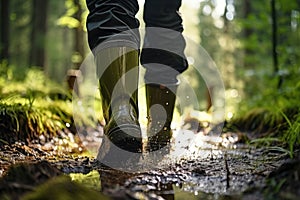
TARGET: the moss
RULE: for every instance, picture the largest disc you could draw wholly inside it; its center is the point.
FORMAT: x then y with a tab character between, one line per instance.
29	108
259	120
21	122
37	106
275	116
63	188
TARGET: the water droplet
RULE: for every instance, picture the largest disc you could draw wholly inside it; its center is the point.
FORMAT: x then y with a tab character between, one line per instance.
167	103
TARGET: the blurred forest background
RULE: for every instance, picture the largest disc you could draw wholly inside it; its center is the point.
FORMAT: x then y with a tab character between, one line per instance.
254	43
48	34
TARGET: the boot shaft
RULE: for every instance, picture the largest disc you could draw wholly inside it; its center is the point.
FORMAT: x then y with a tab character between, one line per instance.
160	104
117	70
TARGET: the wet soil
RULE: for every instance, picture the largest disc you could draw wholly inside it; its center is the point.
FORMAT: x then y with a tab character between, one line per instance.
210	167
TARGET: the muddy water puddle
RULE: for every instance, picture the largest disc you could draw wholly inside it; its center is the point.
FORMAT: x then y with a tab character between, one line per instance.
209	167
198	167
228	174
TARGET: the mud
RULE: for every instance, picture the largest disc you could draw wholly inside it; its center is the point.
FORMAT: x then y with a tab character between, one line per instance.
211	167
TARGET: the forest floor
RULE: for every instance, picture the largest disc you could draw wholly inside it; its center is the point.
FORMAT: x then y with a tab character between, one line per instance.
212	167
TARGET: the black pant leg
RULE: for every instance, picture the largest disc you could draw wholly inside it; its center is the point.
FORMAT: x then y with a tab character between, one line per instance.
163	49
112	20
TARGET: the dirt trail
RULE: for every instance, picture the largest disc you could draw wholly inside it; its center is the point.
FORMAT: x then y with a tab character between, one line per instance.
209	167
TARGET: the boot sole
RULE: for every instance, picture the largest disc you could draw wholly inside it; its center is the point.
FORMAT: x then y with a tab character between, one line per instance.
126	137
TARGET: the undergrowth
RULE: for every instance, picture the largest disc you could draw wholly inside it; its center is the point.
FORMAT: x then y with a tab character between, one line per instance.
33	107
274	117
22	122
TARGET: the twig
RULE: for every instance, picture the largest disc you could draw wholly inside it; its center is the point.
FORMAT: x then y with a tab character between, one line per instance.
227	171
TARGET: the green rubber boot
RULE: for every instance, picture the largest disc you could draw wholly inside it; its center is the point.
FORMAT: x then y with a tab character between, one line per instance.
160	107
117	69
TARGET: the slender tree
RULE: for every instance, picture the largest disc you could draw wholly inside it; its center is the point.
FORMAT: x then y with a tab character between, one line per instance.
4	23
79	34
38	33
274	41
247	31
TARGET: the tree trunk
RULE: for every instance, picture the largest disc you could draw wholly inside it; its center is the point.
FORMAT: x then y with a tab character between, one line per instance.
247	32
4	23
73	75
38	33
79	45
274	43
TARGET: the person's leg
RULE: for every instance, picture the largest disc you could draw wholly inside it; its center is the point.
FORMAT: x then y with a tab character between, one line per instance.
113	21
164	43
114	39
163	57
